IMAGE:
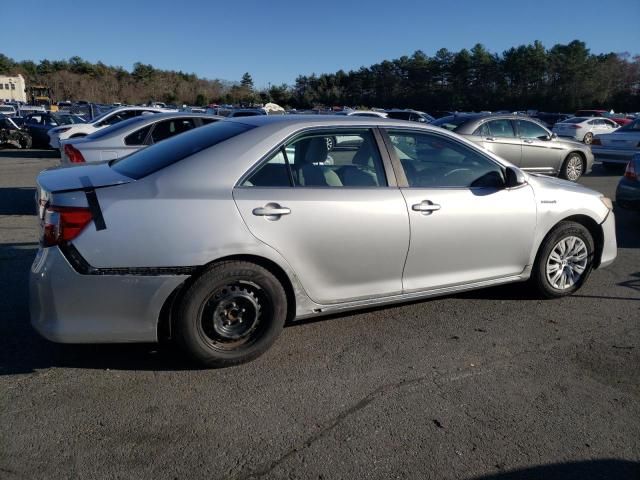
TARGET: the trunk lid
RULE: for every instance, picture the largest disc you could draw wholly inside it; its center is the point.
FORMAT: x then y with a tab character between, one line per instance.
80	177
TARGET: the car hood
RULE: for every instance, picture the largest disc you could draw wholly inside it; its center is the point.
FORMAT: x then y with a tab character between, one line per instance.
554	183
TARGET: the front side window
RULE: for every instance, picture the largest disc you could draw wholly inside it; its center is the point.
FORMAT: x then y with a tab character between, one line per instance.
340	158
531	130
433	161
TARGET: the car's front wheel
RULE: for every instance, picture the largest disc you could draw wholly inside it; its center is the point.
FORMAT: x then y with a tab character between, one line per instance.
231	314
588	138
573	167
564	260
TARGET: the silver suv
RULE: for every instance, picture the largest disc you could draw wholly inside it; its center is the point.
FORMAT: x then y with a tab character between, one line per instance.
524	142
217	236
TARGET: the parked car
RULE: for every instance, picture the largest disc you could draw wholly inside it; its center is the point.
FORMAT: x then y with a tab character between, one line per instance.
524	142
550	119
219	235
362	113
12	135
619	119
39	124
583	129
8	110
618	147
628	191
110	118
130	135
411	115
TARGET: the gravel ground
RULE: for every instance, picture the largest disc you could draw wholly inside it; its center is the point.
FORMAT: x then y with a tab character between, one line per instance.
490	384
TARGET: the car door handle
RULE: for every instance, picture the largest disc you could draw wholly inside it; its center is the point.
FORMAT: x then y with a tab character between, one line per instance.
527	140
426	206
490	139
271	210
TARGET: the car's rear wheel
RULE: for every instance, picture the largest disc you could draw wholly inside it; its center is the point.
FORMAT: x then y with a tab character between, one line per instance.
573	167
564	260
231	314
588	138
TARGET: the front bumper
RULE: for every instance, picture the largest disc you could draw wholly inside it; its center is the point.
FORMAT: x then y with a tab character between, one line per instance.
69	307
628	194
613	155
610	246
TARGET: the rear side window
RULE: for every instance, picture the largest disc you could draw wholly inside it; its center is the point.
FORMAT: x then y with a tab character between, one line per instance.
156	157
138	137
169	128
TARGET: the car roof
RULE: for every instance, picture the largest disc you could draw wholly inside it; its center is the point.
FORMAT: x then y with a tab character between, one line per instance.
302	120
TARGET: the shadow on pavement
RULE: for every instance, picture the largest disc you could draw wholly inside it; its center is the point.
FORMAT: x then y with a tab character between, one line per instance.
605	469
17	201
22	350
627	228
30	154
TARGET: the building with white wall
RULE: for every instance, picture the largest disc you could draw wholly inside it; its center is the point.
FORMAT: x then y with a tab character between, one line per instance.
12	88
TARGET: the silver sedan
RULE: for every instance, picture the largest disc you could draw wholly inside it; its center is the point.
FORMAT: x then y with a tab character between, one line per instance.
218	236
128	136
523	142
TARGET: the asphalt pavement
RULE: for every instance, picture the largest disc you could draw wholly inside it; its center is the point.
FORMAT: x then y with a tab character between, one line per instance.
492	384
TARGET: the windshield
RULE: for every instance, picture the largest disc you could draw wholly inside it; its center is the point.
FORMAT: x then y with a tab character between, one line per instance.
124	124
451	122
156	157
68	119
631	127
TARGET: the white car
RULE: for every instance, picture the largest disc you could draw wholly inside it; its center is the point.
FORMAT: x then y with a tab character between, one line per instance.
584	129
8	110
126	137
110	118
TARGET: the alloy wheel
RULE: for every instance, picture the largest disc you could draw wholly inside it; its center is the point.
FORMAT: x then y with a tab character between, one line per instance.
567	262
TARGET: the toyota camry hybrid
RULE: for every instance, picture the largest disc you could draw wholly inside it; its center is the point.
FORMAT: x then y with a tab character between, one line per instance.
218	236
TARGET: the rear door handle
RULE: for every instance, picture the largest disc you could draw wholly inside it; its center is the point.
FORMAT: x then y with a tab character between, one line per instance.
490	139
426	206
271	210
527	140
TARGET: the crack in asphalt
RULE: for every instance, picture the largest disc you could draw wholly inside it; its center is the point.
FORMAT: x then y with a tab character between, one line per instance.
374	395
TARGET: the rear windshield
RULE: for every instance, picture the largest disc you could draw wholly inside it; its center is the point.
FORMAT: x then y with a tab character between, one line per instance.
156	157
124	124
574	120
451	122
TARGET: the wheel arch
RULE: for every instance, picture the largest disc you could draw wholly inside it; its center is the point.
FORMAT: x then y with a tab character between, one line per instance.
167	312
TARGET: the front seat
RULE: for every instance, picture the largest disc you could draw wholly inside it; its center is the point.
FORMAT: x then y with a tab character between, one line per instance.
362	174
312	175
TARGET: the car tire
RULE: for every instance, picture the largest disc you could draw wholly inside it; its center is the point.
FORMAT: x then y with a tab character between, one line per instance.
588	138
556	274
573	167
26	142
231	314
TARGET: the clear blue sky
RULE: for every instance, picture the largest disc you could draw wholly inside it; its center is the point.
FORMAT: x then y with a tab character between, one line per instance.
277	40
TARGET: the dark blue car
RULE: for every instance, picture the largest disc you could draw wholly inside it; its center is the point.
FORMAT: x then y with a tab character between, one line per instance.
39	124
628	191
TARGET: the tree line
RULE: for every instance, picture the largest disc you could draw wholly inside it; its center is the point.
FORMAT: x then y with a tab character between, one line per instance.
562	78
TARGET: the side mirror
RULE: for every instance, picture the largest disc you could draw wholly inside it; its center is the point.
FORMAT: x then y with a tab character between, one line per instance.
514	177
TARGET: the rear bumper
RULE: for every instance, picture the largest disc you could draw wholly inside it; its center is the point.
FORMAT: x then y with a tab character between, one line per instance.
69	307
613	155
628	194
610	247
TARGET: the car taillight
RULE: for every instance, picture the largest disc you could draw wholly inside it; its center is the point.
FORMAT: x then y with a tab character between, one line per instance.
74	154
62	224
630	172
575	126
595	141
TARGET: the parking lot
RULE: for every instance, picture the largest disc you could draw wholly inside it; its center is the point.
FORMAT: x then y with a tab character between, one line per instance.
491	384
